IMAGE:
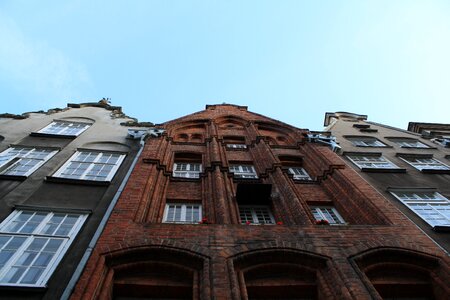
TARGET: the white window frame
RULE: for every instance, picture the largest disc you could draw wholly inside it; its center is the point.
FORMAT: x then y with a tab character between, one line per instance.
254	211
236	146
299	173
432	201
328	213
243	171
371	161
65	126
32	236
187	170
408	143
366	142
8	163
183	208
421	163
96	162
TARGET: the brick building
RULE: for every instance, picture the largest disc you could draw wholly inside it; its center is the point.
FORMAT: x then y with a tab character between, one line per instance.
229	204
59	172
409	167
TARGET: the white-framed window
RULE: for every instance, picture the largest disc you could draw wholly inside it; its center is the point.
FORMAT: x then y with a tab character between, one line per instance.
256	214
236	146
408	143
187	170
182	213
299	173
65	128
32	243
425	163
327	213
243	171
431	206
443	141
22	161
91	165
371	161
366	142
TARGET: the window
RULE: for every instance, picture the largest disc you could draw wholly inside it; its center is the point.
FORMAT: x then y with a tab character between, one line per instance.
243	171
432	207
366	142
421	163
32	244
371	161
236	146
444	141
255	214
65	128
408	143
182	213
91	165
299	173
22	161
327	213
187	170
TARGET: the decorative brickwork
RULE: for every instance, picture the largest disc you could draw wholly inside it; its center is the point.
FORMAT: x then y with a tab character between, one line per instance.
138	255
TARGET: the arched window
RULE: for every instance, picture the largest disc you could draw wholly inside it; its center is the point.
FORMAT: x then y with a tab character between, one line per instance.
392	273
280	274
154	273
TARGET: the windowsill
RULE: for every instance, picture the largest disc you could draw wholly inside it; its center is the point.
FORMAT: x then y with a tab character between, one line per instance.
387	146
442	228
240	179
383	170
185	179
304	181
435	171
24	288
237	149
419	148
59	136
76	181
13	177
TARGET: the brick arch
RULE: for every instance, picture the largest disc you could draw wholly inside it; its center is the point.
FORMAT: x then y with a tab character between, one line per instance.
194	130
399	272
230	122
276	134
154	271
272	272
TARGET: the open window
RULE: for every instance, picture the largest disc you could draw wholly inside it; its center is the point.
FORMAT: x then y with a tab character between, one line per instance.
254	204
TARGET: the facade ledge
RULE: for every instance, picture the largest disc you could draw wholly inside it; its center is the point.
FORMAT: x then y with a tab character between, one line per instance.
76	181
59	136
381	170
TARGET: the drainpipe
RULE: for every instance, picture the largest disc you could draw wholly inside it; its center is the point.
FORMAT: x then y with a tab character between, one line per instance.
76	275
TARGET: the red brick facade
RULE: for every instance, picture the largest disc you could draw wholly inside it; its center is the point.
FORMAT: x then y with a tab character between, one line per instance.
377	251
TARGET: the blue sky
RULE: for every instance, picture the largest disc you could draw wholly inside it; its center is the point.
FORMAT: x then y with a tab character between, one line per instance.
289	60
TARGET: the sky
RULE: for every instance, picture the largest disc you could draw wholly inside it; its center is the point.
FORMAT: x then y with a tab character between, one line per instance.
289	60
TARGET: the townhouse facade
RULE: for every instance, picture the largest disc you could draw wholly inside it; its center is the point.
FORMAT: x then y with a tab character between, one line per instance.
60	170
225	203
409	167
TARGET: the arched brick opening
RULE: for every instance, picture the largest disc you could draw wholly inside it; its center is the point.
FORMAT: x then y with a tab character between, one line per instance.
280	274
394	273
155	273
